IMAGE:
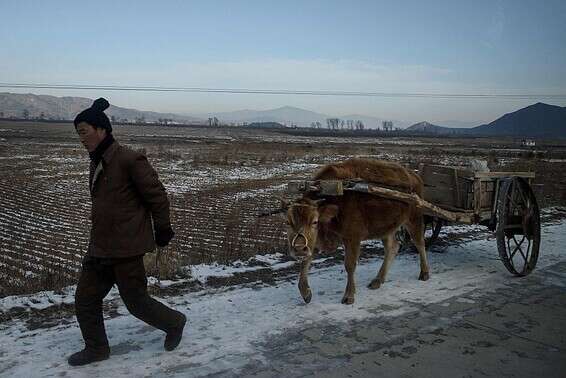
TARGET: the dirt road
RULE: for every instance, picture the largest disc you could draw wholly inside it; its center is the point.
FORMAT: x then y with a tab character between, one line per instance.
516	331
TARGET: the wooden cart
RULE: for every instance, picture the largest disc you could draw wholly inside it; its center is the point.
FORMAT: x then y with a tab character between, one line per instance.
502	201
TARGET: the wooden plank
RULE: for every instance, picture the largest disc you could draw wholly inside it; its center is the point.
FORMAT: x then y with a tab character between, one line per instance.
504	174
414	199
477	195
494	203
439	196
447	170
458	195
457	187
439	179
487	193
456	209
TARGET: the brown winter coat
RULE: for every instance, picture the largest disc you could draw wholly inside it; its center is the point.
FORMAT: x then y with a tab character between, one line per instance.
126	195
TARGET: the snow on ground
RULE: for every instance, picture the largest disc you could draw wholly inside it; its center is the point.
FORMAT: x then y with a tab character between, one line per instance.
227	325
202	272
210	175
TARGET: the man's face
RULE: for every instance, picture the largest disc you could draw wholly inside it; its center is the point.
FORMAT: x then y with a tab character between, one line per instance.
89	136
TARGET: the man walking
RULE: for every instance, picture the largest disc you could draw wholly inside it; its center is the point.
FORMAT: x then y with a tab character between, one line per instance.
130	215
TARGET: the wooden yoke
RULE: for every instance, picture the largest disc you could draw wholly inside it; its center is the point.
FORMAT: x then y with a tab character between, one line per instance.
337	188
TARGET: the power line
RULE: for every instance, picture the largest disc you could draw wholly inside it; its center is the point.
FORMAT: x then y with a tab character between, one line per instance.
522	96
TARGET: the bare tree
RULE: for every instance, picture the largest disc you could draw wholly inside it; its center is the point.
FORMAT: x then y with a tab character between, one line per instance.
336	123
333	123
387	125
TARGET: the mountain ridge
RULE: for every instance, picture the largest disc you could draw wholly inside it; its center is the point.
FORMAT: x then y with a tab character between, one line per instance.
67	107
536	120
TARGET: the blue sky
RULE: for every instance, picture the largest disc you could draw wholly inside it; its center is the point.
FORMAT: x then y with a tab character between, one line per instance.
397	46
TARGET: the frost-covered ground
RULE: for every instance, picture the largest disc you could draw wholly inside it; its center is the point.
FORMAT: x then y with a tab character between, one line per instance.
227	325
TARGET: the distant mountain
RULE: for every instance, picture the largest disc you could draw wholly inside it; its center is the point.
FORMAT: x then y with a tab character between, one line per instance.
286	115
427	127
537	120
65	108
289	115
456	124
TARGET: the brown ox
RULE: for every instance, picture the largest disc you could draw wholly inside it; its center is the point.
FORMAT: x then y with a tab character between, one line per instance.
325	224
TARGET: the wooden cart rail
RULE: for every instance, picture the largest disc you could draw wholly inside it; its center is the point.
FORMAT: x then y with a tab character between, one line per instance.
337	188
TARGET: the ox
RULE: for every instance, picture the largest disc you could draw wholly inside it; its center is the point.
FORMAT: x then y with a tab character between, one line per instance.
323	224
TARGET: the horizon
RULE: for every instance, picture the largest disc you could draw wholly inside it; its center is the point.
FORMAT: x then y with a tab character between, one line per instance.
404	124
490	48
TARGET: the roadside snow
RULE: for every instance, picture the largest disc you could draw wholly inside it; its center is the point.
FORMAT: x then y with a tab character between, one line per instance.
226	325
201	273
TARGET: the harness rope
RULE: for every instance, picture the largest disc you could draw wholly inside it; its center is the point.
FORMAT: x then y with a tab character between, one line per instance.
306	241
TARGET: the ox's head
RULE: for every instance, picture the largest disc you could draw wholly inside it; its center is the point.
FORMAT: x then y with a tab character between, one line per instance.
309	227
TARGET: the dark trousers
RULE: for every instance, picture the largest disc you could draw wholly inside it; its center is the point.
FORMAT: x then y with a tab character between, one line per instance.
97	278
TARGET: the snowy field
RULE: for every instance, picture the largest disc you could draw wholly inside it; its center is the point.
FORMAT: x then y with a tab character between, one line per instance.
218	181
228	325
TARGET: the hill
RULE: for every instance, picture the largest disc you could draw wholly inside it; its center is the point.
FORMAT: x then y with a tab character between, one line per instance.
427	127
286	115
537	120
15	105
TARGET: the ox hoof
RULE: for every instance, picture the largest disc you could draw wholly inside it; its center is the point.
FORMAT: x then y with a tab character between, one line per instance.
307	296
348	300
374	284
424	276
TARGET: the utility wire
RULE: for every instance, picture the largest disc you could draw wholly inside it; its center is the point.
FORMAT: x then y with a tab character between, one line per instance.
283	91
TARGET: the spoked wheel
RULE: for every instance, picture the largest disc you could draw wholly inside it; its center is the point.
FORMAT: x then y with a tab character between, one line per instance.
404	239
518	226
433	225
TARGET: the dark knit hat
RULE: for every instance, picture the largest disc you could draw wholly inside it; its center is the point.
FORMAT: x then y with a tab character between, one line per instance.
95	115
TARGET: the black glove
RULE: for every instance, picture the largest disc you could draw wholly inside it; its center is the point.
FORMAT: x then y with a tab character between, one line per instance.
163	236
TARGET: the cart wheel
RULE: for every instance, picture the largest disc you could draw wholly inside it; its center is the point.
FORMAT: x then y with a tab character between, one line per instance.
433	225
518	226
404	239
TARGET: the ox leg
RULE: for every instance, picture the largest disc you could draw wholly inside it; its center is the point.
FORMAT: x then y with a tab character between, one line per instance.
416	230
350	262
304	287
391	247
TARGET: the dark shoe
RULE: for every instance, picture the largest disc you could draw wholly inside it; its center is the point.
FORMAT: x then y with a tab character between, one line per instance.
174	336
87	356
